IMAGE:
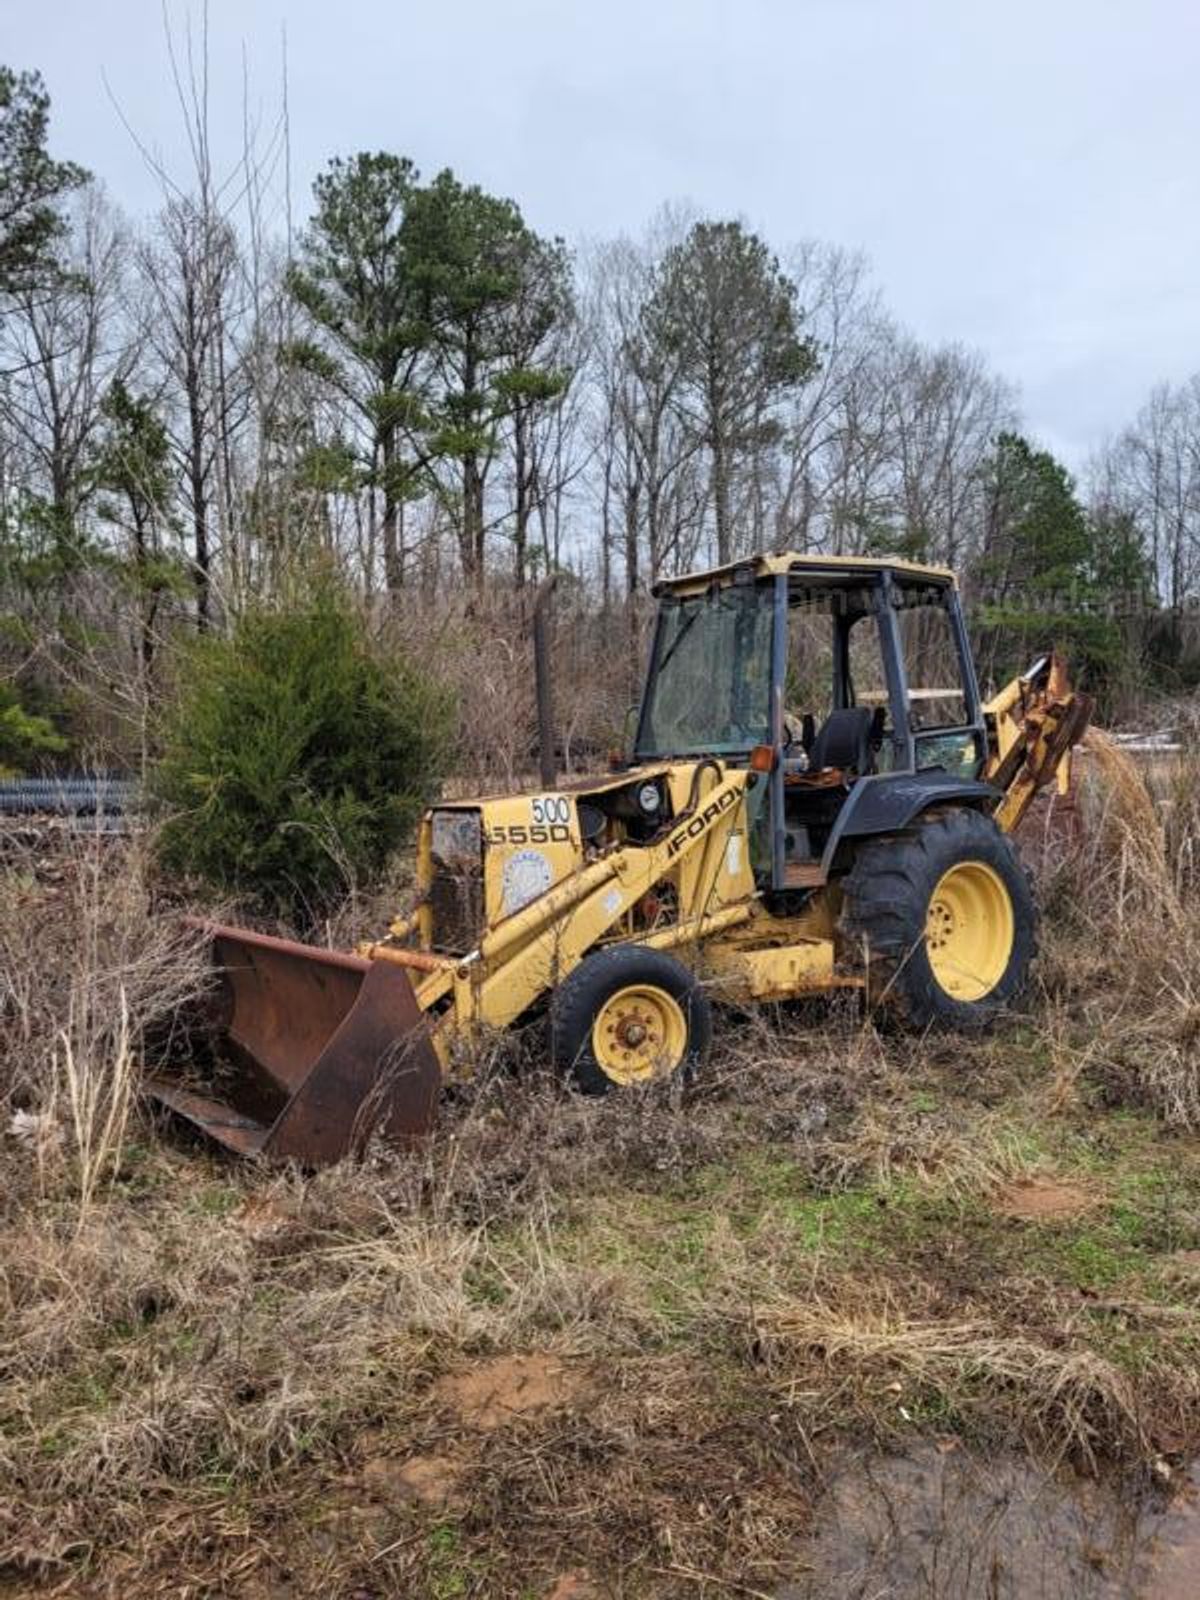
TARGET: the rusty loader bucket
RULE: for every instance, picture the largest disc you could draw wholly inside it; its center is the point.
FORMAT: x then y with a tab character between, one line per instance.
326	1049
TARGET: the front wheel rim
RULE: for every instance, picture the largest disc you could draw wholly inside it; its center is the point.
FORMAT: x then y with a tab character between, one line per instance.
639	1033
969	930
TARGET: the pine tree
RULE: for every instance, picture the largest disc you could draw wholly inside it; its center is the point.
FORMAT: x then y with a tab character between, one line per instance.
1047	575
31	184
490	291
725	312
132	470
354	281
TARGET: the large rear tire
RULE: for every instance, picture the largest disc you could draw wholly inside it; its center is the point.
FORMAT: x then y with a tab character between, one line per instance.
947	919
629	1015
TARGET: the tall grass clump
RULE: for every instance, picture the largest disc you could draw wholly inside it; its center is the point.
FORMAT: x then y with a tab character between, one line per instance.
1123	929
296	755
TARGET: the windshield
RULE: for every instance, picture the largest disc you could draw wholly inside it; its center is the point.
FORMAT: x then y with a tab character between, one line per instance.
710	680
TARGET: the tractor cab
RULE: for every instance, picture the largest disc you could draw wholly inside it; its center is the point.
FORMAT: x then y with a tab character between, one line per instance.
850	682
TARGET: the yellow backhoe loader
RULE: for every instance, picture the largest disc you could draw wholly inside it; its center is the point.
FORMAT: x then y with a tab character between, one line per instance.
816	798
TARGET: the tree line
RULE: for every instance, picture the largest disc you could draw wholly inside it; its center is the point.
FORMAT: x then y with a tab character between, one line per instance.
418	388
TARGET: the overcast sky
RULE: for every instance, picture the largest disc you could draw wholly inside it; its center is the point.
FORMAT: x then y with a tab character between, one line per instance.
1025	177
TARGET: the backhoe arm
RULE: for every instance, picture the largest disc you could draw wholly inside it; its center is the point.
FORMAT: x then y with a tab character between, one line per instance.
1033	724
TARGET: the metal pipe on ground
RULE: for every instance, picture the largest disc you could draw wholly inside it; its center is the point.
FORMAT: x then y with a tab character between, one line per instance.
71	796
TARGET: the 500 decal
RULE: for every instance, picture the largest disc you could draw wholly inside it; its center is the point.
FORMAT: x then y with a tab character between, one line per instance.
692	830
537	833
550	808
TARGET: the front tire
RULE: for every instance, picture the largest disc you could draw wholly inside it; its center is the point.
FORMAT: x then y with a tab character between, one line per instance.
629	1015
947	918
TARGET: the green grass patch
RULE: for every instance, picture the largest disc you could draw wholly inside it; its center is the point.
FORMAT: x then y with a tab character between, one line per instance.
449	1572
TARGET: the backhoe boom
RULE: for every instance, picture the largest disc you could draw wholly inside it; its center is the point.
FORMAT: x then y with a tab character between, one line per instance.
1033	725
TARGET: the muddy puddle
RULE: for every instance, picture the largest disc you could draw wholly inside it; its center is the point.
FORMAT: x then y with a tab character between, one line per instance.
942	1524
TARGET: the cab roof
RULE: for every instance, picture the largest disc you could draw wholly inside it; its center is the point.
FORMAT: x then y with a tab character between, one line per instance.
837	567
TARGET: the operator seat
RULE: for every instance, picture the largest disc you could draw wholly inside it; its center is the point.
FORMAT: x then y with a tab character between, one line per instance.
848	739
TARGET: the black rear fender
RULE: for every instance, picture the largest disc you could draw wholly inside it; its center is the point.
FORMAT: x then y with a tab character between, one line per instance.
888	802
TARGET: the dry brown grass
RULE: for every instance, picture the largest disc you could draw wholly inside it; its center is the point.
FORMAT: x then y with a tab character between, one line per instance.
951	1150
88	963
215	1332
94	1095
1123	1002
229	1338
213	1374
868	1355
213	1377
481	646
1128	836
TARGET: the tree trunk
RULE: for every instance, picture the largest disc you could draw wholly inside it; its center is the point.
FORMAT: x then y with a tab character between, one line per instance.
393	560
720	491
717	414
471	537
521	507
606	534
147	600
196	482
632	498
193	383
223	453
472	519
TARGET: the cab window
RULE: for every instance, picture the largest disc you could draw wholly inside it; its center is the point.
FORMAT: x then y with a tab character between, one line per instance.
931	668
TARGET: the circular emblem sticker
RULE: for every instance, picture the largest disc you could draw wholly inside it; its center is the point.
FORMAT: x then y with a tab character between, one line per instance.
526	875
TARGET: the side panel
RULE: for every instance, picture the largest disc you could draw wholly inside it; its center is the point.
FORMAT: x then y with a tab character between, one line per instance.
530	843
719	874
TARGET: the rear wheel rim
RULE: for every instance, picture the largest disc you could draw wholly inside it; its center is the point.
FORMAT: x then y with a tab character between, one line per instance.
639	1033
969	930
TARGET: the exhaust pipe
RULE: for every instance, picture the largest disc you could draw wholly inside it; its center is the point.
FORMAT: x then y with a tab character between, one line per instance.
541	673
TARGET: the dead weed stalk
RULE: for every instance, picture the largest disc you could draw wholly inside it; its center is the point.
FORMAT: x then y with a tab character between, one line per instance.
98	1093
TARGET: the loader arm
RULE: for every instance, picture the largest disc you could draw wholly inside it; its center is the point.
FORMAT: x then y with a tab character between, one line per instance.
1033	725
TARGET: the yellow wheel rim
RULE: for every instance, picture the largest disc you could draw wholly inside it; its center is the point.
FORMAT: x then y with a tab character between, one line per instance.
639	1033
969	930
